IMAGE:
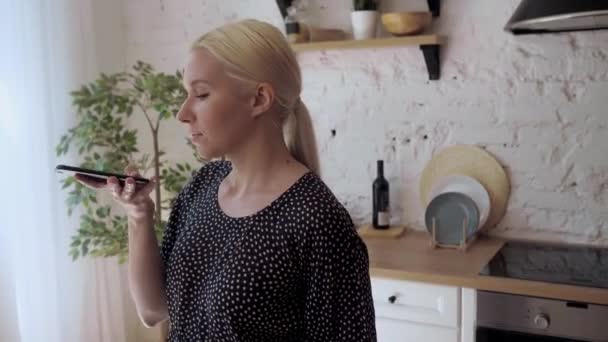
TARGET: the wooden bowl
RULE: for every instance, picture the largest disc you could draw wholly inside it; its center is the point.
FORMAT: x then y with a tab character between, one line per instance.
406	23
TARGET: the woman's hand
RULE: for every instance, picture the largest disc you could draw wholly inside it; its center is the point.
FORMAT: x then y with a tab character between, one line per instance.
135	200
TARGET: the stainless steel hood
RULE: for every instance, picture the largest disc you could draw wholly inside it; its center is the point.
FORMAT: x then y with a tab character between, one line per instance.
545	16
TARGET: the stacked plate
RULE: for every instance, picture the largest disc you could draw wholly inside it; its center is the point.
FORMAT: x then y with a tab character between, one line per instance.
456	200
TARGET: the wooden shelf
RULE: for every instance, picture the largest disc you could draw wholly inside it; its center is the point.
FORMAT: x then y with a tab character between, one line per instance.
429	44
428	39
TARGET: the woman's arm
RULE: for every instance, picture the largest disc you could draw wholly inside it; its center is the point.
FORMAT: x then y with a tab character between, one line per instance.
146	272
339	305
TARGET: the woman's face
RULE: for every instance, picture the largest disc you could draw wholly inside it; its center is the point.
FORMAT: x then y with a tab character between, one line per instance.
217	109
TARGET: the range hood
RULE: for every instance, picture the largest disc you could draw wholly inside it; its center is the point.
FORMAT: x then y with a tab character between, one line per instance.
545	16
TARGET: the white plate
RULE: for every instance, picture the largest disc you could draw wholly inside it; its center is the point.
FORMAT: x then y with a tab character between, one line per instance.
468	186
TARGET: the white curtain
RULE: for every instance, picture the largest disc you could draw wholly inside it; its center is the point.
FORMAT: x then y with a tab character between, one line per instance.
47	50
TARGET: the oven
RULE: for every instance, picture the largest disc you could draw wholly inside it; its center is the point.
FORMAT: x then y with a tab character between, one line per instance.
514	318
509	317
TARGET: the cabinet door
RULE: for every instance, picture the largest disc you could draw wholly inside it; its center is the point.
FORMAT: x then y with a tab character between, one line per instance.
416	302
390	330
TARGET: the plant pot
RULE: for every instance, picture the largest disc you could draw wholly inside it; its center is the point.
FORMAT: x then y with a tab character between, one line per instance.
364	24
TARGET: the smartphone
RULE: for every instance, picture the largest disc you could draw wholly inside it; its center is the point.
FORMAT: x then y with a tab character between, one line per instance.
99	175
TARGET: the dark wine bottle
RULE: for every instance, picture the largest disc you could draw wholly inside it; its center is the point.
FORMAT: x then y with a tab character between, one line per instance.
381	214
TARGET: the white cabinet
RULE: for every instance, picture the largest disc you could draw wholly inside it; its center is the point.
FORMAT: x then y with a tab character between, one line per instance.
416	311
389	330
468	325
416	302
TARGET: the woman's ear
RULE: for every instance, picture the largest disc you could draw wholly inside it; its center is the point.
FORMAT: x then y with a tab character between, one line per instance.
262	99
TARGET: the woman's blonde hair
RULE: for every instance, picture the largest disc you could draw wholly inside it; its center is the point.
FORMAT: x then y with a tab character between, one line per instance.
255	51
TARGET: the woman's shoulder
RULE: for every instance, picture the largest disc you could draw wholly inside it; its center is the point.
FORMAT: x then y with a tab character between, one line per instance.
322	221
319	206
213	168
210	172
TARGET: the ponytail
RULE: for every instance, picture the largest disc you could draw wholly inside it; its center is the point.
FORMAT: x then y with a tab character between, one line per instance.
300	138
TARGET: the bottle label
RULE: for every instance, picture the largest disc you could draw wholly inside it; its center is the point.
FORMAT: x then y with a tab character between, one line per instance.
383	218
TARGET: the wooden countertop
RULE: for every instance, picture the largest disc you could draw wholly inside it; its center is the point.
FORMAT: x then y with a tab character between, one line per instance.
410	257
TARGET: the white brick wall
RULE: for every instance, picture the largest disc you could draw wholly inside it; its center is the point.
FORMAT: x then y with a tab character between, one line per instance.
539	103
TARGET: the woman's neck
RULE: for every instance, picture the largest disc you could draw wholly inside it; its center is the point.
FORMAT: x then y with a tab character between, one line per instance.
258	162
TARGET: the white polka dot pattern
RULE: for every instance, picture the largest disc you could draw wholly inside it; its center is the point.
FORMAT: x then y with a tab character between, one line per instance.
294	271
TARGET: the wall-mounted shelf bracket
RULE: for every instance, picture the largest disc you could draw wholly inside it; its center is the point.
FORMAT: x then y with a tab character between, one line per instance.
431	58
434	7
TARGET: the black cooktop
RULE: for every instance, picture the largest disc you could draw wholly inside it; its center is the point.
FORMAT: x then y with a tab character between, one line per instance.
554	263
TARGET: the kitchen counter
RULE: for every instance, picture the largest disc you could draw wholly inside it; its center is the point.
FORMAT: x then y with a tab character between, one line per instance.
410	257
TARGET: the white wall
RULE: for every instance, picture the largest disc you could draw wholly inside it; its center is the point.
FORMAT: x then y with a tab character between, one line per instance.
537	102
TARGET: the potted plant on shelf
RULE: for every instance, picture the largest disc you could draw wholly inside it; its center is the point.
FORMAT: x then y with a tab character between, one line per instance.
364	19
105	143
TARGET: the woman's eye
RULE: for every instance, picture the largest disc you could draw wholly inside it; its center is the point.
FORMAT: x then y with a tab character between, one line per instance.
202	96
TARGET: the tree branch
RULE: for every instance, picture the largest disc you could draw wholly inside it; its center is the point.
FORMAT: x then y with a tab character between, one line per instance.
147	118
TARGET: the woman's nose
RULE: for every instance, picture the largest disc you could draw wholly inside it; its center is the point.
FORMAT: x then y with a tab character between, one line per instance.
184	114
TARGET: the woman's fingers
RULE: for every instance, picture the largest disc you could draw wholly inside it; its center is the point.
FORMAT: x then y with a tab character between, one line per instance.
130	186
144	191
148	188
131	170
128	190
131	192
114	187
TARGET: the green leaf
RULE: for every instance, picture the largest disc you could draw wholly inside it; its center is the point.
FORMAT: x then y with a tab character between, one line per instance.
73	200
85	247
74	254
101	212
69	181
97	253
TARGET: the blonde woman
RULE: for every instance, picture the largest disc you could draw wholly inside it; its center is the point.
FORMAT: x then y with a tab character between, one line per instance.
257	248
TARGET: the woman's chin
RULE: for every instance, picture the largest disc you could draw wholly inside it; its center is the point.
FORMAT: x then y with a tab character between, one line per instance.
206	153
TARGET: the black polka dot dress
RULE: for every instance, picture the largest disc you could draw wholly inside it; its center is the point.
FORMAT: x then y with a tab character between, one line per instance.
294	271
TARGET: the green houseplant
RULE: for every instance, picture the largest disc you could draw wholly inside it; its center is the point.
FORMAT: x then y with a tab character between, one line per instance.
105	143
365	5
